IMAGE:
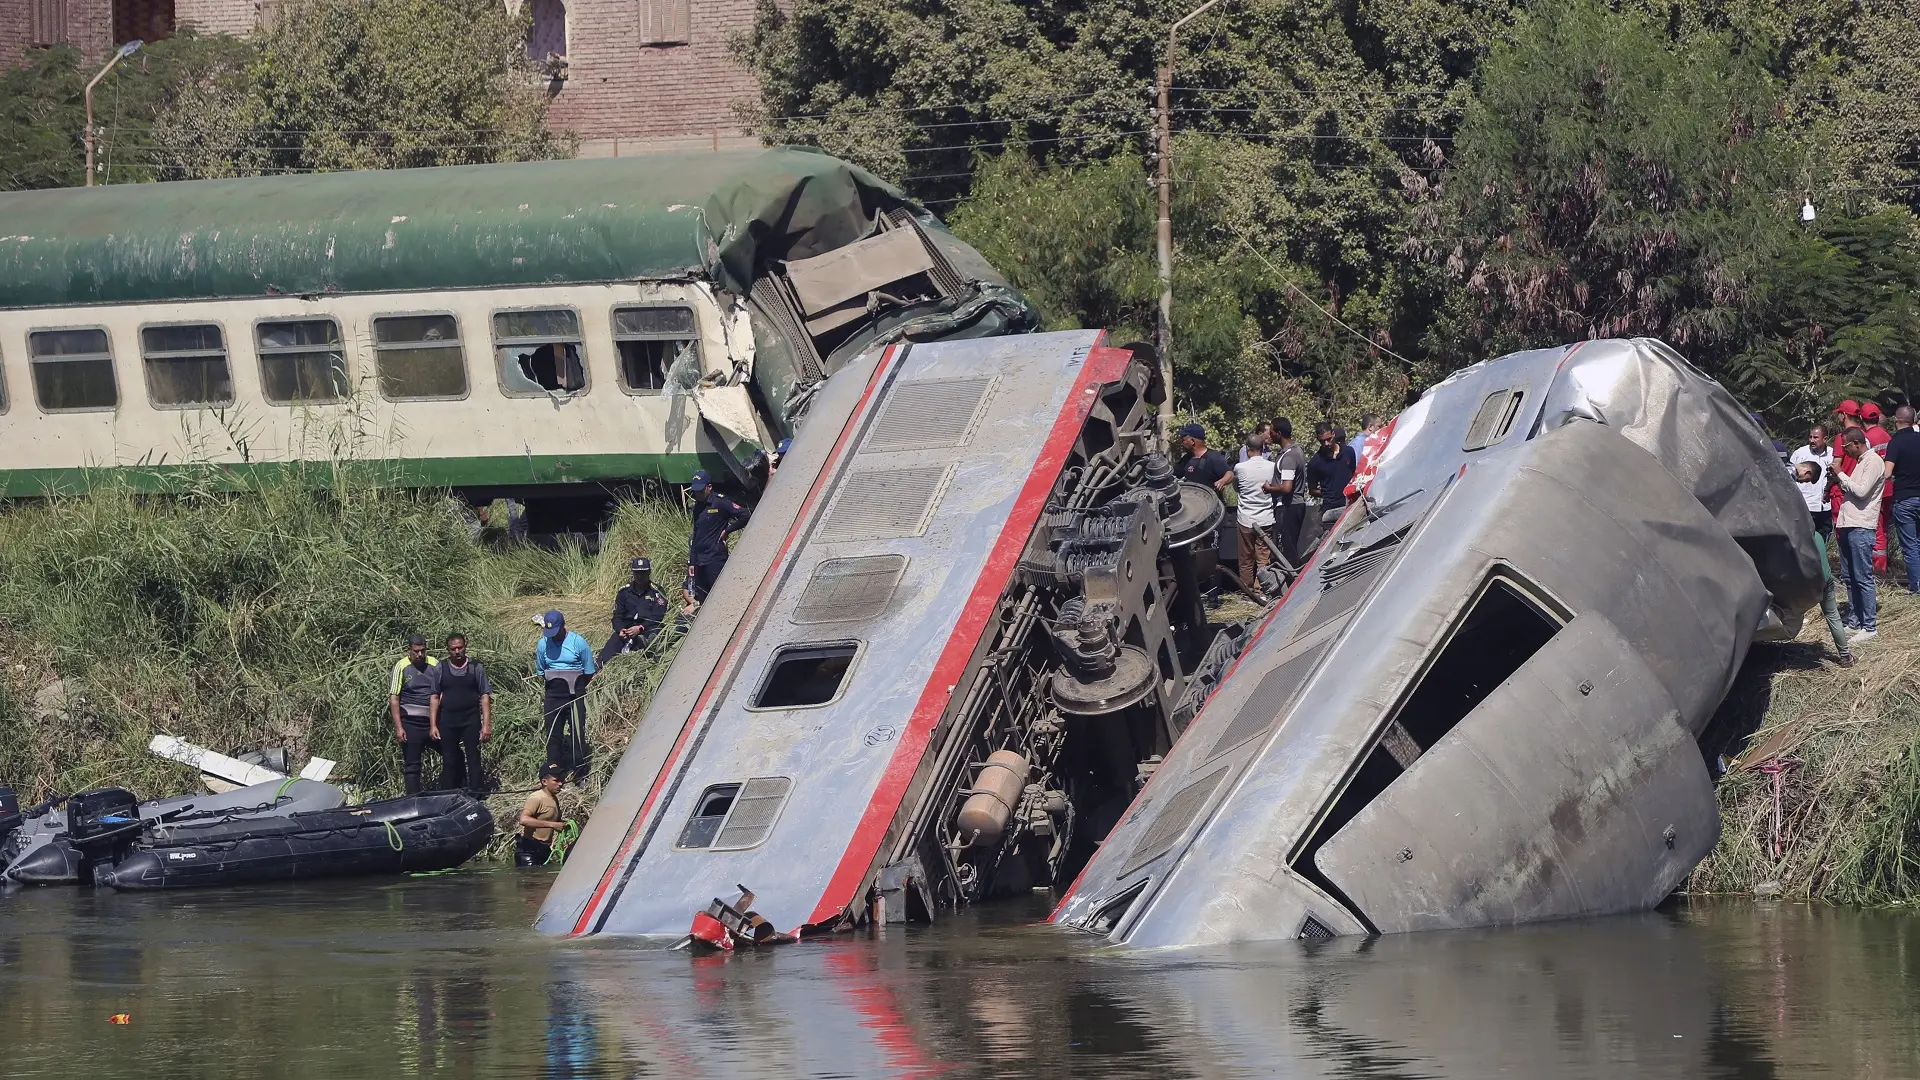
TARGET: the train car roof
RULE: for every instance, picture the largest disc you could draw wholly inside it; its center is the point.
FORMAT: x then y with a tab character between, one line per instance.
722	216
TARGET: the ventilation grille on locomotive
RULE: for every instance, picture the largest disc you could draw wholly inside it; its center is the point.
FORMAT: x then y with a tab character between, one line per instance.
929	414
1172	823
876	504
755	810
1269	700
850	590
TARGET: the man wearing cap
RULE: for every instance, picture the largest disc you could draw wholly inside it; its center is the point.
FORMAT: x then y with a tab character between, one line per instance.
638	610
538	817
564	661
1202	465
714	517
410	702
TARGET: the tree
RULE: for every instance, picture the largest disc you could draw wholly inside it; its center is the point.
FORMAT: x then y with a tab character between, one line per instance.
1839	317
1606	182
42	110
364	84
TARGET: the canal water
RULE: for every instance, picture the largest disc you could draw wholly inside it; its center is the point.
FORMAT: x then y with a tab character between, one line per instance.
439	975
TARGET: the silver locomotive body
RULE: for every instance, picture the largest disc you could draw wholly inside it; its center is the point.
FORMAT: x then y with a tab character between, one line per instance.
1479	704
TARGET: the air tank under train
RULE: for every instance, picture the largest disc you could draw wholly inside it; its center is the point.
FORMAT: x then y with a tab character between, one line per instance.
1480	704
962	628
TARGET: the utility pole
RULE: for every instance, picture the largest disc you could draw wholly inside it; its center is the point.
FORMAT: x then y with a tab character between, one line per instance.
1164	240
125	51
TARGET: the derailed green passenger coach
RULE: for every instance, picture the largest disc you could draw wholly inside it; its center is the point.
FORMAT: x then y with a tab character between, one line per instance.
544	329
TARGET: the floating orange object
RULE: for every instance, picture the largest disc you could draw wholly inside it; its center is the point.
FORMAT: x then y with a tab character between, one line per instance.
120	1018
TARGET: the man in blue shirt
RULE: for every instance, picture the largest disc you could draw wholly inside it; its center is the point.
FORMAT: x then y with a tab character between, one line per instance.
564	660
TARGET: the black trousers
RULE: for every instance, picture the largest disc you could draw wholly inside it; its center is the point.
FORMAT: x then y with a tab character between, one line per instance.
460	753
411	751
1286	530
566	715
530	852
616	645
705	572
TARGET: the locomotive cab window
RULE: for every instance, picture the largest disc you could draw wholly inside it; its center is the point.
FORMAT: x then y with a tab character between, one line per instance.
419	357
803	675
187	366
538	352
302	361
72	370
703	825
651	340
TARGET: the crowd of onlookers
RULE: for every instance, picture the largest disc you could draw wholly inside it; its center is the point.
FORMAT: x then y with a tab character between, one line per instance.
1857	478
1285	495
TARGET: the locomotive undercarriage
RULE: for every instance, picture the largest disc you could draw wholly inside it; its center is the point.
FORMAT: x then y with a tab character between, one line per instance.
1081	685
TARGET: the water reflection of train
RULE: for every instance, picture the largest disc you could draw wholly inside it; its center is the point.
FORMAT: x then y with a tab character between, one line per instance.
974	659
532	329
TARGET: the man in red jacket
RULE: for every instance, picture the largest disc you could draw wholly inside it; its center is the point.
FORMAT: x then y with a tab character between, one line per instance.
1877	437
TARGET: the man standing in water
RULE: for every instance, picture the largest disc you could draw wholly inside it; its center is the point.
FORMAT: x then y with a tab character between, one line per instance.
410	703
462	715
564	661
538	816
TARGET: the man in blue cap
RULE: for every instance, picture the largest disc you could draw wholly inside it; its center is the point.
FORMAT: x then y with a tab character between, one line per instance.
638	610
714	517
564	661
1201	465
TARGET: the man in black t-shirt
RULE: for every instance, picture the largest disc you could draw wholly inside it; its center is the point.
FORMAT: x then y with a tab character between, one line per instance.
1903	458
1202	465
1331	469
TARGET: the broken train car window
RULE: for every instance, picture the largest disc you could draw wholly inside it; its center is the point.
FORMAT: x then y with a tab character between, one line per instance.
538	352
1505	625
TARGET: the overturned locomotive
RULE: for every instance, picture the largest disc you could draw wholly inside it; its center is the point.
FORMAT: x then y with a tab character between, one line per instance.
972	660
1480	704
973	622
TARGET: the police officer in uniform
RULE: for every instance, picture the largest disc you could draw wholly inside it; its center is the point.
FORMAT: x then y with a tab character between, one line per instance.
638	611
714	516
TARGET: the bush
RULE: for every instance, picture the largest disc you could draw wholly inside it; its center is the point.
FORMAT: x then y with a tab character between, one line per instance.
272	617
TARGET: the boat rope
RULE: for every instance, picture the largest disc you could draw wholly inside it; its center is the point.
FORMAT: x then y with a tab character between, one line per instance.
393	836
281	791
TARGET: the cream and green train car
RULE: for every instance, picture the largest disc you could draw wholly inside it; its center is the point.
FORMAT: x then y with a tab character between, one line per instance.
550	331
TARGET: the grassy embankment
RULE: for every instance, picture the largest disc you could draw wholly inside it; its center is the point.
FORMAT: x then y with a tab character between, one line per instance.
1849	818
273	618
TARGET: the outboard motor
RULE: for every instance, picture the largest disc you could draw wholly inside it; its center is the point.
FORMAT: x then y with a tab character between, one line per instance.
10	817
101	826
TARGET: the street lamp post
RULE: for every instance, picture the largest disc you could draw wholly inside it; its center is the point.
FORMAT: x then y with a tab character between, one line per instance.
124	51
1164	239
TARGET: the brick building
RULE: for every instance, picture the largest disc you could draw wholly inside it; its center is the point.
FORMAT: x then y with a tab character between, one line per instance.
96	26
644	75
629	76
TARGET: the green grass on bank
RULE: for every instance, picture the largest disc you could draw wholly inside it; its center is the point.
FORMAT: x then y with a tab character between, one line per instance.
1849	793
273	617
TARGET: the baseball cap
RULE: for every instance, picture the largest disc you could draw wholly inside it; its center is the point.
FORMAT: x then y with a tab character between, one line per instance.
552	624
700	481
1848	407
641	563
785	445
1193	431
1870	411
551	771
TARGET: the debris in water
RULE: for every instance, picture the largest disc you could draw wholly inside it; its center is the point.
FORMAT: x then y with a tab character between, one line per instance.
120	1018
